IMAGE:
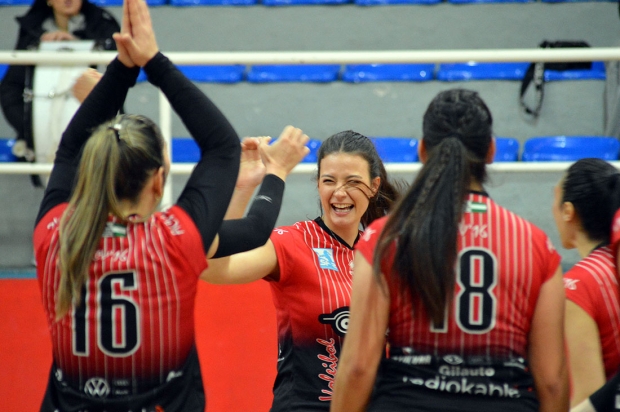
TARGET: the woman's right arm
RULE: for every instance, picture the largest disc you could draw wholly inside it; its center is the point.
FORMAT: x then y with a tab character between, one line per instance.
244	267
547	356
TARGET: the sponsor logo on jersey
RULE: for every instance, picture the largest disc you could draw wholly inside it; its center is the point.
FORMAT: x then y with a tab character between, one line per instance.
97	387
475	207
330	363
326	258
338	319
570	284
368	234
453	359
465	386
114	230
413	359
280	231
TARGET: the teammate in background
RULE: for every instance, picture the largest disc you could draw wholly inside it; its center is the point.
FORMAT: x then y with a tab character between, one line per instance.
118	279
586	199
309	268
471	293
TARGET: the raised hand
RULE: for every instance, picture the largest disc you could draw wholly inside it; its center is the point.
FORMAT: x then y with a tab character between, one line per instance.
251	167
123	54
282	156
85	84
138	38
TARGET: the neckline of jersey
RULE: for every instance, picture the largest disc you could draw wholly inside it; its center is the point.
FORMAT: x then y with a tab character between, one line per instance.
319	221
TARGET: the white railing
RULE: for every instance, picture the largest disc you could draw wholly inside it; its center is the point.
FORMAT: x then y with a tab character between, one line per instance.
319	57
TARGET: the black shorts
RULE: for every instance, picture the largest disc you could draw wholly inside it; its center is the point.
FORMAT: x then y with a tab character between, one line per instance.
394	392
184	393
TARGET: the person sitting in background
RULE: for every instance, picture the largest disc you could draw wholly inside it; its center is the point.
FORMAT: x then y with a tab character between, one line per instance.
51	20
586	199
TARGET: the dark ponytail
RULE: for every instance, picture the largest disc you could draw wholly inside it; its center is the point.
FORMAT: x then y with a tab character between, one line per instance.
593	187
424	224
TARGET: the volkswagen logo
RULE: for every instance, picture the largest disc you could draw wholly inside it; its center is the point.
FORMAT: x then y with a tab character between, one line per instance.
97	387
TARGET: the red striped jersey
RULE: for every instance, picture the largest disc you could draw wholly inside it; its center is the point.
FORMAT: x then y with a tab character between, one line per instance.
135	324
312	300
592	285
503	260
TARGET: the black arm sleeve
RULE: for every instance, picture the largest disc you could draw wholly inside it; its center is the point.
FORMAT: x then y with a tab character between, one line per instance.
253	231
604	399
103	103
209	188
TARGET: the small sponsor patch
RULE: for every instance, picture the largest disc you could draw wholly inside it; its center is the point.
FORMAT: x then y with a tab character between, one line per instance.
326	258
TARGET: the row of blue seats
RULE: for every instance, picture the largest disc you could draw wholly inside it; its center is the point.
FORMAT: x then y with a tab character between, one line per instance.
110	3
405	149
357	73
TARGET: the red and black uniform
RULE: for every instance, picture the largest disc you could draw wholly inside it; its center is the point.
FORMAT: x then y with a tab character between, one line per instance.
593	286
129	344
312	300
475	359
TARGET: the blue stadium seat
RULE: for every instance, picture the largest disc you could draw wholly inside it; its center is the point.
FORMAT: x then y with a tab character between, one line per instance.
570	148
313	145
357	73
597	72
320	73
386	2
452	72
185	150
16	2
506	149
208	74
214	74
3	69
6	153
184	3
396	149
302	2
488	1
112	3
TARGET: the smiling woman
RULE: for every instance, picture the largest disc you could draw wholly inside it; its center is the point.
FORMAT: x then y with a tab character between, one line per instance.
309	267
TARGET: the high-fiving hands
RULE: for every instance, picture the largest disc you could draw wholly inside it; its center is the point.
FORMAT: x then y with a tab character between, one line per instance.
136	42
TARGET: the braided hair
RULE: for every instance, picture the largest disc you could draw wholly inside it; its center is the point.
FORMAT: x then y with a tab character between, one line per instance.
424	224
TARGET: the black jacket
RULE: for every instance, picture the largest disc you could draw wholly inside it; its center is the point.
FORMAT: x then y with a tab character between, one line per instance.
17	83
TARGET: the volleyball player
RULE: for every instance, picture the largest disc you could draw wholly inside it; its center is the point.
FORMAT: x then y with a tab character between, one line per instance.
309	268
585	202
118	279
471	293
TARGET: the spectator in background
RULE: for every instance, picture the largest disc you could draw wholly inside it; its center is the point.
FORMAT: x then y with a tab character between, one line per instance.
51	20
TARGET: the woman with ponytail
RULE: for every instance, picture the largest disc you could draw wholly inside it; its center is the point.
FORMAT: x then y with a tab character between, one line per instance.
308	266
470	294
586	199
118	278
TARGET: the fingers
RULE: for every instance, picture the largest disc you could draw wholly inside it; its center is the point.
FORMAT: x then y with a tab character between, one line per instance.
126	23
